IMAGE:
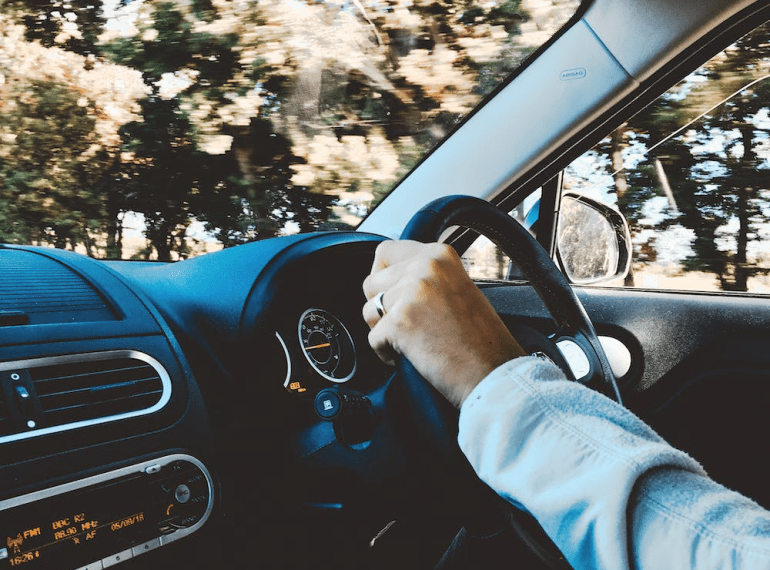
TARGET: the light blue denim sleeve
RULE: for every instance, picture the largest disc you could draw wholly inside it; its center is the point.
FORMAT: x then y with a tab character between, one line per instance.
608	490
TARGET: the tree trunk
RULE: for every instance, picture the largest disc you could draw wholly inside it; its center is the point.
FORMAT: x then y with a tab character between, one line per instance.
114	249
617	144
744	215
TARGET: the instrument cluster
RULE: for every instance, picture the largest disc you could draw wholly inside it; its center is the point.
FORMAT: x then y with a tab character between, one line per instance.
329	354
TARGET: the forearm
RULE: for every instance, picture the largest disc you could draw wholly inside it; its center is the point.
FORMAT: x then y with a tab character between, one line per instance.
594	475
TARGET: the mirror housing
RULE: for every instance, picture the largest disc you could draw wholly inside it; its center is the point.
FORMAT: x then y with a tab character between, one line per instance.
593	242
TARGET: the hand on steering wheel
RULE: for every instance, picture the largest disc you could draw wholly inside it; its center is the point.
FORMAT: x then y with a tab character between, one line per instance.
435	316
444	322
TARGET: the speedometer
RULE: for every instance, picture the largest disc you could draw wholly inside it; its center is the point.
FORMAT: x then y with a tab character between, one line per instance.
327	345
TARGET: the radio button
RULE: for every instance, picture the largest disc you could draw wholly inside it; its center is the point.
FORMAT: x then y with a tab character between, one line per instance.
117	558
182	494
187	521
195	478
181	466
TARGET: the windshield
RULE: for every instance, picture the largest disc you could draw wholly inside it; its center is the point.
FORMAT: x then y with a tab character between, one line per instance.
161	130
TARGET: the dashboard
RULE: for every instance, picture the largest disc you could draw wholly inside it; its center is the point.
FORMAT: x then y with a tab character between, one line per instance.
227	409
224	397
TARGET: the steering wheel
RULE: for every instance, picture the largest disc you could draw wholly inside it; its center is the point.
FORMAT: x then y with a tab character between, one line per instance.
572	321
436	419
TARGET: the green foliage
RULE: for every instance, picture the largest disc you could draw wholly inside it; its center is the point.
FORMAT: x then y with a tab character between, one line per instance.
44	21
714	187
238	210
50	176
176	46
161	176
509	14
167	178
166	168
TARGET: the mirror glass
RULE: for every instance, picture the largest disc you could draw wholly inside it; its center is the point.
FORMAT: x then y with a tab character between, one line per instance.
587	242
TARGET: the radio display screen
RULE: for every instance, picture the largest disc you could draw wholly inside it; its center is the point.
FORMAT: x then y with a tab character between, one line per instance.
79	527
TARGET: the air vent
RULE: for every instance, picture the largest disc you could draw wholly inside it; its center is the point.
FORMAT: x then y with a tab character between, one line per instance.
86	390
53	394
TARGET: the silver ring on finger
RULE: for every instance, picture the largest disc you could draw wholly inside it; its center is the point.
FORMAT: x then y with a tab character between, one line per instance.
378	304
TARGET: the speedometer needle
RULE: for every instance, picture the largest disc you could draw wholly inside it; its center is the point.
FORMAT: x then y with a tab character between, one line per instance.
322	345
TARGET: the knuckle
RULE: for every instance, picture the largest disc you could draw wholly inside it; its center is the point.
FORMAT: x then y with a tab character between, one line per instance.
380	254
441	251
384	249
435	268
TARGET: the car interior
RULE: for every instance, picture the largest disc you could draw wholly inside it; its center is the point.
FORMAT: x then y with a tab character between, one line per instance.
227	409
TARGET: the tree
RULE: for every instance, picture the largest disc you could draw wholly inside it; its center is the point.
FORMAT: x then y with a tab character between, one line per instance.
52	170
701	146
732	181
274	132
160	175
74	25
241	194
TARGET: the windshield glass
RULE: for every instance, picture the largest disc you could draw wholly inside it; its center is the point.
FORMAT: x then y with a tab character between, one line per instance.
161	130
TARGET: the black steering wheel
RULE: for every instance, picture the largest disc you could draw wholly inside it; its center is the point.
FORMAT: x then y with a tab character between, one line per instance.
571	320
434	419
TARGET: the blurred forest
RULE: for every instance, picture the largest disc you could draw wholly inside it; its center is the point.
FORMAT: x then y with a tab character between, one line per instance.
228	121
691	172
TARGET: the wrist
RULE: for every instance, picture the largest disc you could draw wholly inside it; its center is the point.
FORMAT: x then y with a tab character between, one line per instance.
479	372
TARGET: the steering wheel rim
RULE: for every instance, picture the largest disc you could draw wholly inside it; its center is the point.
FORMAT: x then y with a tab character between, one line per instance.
566	310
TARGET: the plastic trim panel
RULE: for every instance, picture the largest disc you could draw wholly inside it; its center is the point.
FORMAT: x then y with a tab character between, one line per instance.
74	358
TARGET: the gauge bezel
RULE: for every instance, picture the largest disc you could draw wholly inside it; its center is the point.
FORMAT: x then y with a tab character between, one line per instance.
337	322
287	380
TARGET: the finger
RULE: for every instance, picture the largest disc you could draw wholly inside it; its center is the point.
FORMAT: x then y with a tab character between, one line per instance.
369	311
395	251
395	259
387	278
378	340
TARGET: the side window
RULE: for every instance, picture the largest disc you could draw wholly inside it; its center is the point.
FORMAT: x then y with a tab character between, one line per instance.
691	174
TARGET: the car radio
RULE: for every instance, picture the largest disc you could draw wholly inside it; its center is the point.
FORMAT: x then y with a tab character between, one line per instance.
100	521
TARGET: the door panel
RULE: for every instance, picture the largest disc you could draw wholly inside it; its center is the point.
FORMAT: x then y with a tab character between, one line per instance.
700	370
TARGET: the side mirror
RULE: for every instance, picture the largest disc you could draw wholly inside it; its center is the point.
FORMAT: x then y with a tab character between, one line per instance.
593	243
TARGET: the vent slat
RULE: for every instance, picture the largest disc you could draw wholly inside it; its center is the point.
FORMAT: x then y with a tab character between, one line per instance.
85	383
95	374
148	395
95	389
99	393
75	413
